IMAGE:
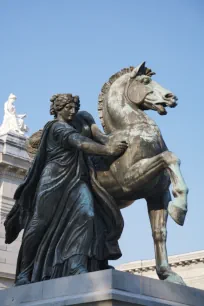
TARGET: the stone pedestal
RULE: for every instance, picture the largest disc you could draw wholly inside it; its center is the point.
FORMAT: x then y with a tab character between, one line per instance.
14	163
104	288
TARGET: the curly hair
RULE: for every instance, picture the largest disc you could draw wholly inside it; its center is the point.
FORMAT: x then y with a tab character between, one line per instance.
58	102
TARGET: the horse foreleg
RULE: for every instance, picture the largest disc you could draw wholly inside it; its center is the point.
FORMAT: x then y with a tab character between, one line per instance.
136	176
158	214
178	207
147	169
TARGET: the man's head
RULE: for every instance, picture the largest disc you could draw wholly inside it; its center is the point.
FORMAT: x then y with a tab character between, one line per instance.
64	106
12	97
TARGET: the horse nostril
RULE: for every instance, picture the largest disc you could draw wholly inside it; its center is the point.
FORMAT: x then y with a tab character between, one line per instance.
169	95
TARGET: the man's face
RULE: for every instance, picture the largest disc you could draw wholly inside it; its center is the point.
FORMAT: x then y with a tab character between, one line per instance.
12	100
69	111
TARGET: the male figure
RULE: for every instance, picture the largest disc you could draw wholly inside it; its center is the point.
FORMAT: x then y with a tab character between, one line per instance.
70	228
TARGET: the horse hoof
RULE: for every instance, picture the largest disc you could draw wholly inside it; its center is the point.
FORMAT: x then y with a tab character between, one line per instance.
176	279
177	213
166	274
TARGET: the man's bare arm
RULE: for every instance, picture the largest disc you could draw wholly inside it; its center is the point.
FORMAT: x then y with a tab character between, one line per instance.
91	147
98	135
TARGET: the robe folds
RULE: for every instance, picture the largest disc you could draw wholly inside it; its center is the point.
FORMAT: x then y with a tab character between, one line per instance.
56	182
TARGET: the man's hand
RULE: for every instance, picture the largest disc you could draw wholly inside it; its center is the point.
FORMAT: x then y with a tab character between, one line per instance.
117	148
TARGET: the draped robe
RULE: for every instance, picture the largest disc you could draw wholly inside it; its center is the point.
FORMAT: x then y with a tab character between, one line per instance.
57	171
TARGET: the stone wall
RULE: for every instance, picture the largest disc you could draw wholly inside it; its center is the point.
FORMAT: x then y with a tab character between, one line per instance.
14	163
8	259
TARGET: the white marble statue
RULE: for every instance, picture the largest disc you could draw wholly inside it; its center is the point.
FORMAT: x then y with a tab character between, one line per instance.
12	122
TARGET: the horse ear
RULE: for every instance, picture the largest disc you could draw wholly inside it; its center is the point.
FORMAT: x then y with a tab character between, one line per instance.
139	70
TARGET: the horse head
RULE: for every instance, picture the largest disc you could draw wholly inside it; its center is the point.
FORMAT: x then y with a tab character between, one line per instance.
146	93
128	91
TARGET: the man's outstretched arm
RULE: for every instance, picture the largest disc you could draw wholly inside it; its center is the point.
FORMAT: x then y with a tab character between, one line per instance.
91	147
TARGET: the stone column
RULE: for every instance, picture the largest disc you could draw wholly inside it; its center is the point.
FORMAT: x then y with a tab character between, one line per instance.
14	164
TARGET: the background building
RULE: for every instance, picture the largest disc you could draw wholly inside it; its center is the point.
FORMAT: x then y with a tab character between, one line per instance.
14	163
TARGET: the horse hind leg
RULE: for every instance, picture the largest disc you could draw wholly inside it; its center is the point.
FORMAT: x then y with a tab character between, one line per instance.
158	214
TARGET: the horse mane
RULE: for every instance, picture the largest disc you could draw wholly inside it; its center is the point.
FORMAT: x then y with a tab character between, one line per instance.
105	89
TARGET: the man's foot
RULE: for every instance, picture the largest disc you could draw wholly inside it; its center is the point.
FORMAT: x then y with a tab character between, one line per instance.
105	266
22	281
82	270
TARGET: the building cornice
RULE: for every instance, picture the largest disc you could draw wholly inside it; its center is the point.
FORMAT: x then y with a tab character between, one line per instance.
7	170
7	275
182	260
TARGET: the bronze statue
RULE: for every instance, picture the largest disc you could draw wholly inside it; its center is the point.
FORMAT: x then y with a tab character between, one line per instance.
146	168
71	224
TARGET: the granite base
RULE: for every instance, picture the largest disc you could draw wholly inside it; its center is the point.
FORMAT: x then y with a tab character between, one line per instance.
104	288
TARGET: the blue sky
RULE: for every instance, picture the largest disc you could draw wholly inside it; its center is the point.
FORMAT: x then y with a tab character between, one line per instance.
51	46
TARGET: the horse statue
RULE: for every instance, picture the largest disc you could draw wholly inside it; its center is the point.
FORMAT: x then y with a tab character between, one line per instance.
147	168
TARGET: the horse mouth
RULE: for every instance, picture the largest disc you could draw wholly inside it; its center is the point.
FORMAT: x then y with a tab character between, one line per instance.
161	106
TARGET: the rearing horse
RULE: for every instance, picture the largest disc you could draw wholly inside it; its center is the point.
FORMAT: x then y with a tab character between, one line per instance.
147	167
